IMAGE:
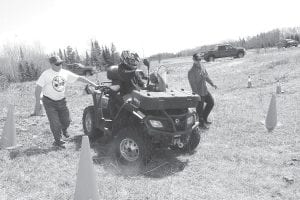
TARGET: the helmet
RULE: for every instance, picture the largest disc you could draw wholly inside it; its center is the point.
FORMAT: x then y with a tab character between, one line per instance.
130	59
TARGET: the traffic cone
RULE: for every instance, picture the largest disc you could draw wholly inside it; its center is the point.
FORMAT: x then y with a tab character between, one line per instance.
86	187
8	139
271	119
249	82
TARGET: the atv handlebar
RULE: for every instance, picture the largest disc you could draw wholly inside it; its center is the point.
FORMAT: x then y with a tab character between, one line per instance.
101	88
89	89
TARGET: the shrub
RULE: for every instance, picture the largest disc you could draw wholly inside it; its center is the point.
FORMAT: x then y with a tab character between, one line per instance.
28	71
22	63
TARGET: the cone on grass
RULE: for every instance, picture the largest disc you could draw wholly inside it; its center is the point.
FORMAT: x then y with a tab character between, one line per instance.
86	187
249	82
271	119
8	139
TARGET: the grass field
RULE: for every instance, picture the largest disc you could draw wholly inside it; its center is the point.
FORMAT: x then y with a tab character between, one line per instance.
236	159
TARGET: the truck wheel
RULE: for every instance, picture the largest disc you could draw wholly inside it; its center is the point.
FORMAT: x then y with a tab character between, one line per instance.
240	55
88	122
88	73
211	59
132	147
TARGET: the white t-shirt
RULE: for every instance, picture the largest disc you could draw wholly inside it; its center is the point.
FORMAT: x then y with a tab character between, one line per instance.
54	83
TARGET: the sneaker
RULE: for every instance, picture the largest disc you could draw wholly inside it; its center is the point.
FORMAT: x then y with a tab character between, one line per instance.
203	126
59	144
207	122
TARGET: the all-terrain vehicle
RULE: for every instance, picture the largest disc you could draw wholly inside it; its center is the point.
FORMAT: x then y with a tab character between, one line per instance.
146	119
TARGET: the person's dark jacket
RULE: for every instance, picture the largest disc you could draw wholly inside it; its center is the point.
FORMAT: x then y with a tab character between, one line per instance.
130	80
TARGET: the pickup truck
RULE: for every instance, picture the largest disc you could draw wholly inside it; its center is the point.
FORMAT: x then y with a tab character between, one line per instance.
80	69
287	43
221	51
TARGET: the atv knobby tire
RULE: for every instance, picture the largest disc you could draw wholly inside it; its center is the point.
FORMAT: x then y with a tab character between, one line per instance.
132	147
88	122
194	140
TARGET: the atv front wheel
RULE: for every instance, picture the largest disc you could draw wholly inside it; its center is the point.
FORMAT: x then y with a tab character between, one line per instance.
194	140
88	122
132	147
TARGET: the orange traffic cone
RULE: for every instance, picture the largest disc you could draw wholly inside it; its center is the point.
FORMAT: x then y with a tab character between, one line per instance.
249	82
8	139
271	119
86	187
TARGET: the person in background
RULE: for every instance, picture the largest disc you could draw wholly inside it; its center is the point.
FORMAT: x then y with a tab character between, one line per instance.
52	83
198	77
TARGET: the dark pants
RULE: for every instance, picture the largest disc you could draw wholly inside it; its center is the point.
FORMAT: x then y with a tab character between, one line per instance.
58	116
114	103
203	111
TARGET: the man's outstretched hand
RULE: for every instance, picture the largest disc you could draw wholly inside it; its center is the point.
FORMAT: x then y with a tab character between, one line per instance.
37	110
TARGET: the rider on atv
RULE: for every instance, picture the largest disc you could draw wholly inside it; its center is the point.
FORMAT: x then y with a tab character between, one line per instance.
128	79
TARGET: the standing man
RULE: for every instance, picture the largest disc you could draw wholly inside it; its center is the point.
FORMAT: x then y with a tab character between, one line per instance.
52	84
198	77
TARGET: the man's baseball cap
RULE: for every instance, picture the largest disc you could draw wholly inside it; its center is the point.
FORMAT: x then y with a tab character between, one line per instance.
55	60
197	57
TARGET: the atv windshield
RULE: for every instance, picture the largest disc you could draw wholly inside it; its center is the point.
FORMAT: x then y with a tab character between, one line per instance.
160	79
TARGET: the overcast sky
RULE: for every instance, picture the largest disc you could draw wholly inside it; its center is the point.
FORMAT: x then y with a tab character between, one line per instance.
144	26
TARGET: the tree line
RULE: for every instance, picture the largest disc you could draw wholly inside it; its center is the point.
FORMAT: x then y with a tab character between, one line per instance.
261	40
21	63
101	57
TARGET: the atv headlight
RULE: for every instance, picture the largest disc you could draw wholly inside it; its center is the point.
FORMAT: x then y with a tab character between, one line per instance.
156	123
190	120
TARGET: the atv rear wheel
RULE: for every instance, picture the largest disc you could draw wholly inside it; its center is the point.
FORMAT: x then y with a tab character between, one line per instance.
88	122
132	147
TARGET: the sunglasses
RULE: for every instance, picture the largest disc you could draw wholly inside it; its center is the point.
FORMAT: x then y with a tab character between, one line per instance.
58	64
